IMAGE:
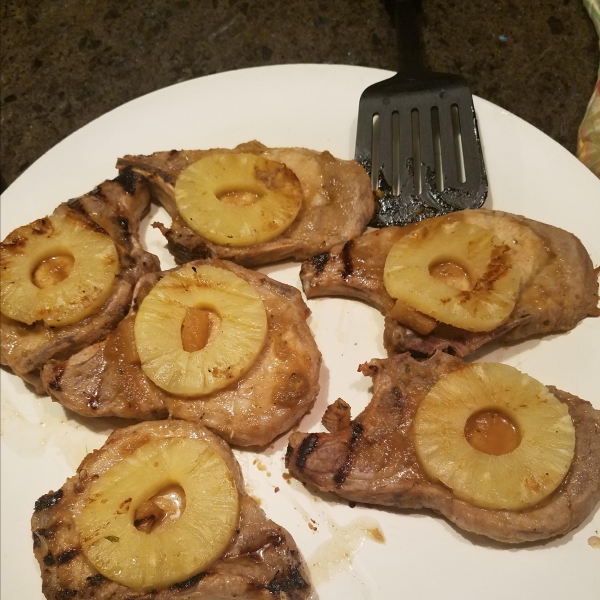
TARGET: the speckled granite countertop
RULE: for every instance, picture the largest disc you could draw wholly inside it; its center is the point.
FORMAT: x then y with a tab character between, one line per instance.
66	62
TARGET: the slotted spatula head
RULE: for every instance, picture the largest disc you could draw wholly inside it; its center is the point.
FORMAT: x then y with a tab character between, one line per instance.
417	137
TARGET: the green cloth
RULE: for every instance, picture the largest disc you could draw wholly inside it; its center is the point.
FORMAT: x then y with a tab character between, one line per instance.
588	143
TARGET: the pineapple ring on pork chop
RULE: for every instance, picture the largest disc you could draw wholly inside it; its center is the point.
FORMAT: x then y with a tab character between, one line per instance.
107	379
559	285
111	211
483	262
337	203
56	300
488	474
238	199
226	356
256	560
372	459
157	557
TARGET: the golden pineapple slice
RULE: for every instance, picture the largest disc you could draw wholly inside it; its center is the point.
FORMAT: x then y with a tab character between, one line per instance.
59	269
411	274
512	480
230	351
178	549
238	199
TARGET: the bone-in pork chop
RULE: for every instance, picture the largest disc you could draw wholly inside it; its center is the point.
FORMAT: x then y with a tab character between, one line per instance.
373	460
106	379
117	207
261	562
559	286
337	204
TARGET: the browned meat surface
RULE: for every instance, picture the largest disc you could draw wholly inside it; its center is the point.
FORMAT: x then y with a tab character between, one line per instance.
106	379
117	206
337	416
261	562
559	284
373	459
337	204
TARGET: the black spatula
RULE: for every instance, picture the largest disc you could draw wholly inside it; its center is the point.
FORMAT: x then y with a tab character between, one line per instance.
417	136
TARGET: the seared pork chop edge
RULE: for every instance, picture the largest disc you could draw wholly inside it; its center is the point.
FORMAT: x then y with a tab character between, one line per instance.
337	204
261	562
373	460
116	206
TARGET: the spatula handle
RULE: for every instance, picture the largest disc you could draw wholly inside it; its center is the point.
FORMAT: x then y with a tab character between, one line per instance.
406	16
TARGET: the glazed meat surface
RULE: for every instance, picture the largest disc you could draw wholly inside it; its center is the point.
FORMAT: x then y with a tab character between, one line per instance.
337	204
106	379
117	207
372	460
559	286
261	561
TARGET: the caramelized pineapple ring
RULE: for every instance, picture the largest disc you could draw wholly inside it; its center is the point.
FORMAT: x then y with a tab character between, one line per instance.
179	549
229	352
80	290
514	479
410	274
238	199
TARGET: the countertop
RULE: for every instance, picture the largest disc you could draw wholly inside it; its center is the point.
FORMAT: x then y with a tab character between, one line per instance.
66	62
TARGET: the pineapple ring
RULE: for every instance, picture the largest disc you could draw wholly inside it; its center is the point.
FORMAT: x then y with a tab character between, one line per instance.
487	261
81	293
200	185
511	481
177	550
227	356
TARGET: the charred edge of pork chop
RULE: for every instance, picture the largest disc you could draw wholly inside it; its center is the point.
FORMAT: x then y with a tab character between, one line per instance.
261	562
337	212
561	291
397	338
336	416
373	459
117	207
283	383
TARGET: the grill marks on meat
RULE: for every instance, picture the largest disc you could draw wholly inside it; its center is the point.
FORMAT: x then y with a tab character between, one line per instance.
559	283
106	379
354	271
261	562
373	459
117	207
337	204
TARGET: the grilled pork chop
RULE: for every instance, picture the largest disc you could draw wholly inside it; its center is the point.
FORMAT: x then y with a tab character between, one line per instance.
106	379
117	207
336	207
372	460
261	561
559	284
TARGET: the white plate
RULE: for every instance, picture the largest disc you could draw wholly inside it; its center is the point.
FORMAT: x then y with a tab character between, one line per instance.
423	556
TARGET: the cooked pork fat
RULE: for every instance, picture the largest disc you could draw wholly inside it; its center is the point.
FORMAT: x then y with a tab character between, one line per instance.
559	285
106	379
116	207
337	204
260	562
373	459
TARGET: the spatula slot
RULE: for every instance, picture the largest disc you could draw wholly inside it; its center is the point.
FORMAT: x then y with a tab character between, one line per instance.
437	149
396	153
375	143
458	146
416	152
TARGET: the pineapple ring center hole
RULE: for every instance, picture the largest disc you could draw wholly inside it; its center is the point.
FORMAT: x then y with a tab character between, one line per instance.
451	274
52	270
240	197
164	508
492	432
198	328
